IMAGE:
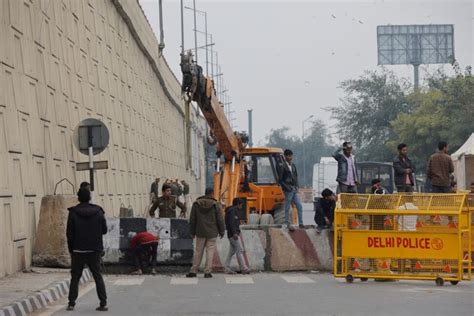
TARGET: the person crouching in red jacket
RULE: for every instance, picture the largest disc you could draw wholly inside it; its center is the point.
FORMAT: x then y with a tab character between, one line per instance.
144	246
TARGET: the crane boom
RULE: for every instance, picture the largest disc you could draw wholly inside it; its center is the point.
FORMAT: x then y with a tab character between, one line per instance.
201	90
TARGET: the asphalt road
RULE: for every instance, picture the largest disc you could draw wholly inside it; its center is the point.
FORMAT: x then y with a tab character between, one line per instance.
271	294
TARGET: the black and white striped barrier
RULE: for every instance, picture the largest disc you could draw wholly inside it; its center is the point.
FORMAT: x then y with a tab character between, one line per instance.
174	248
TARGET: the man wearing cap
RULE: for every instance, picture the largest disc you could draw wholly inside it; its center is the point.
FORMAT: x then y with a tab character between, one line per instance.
167	204
346	169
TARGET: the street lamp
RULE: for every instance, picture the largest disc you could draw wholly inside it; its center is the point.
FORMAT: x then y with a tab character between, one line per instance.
302	139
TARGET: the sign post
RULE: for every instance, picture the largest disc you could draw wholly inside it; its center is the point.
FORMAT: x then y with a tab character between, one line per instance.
91	137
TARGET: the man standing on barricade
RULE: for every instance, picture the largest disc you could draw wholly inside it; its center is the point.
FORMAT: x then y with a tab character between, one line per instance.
404	170
288	178
440	166
346	169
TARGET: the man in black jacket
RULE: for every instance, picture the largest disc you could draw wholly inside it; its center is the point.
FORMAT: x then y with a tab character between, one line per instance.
288	176
85	226
232	223
324	210
347	176
404	170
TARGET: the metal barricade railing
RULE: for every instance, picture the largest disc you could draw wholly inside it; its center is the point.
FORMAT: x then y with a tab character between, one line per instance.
412	236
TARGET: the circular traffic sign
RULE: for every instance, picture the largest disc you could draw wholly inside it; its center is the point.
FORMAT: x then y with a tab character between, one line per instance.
91	133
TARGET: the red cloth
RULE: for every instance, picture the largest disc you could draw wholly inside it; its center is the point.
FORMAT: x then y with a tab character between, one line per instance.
143	238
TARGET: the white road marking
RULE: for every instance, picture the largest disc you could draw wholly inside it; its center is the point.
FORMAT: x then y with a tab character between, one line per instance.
50	310
239	280
184	281
430	290
301	279
129	281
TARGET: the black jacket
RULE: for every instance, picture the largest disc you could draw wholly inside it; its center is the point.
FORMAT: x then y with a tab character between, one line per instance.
343	166
400	166
85	226
232	221
323	208
288	179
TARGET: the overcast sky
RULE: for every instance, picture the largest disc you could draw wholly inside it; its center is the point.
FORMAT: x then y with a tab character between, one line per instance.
285	59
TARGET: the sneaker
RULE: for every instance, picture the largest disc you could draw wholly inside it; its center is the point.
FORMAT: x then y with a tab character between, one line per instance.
245	272
191	275
230	271
291	228
153	272
137	272
102	308
301	226
70	308
207	275
319	230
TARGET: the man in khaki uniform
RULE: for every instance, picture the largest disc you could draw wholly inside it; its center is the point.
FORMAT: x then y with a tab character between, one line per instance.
167	204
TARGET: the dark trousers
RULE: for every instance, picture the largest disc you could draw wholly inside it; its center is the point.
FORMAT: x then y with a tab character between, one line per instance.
441	189
92	260
147	250
344	188
319	219
404	188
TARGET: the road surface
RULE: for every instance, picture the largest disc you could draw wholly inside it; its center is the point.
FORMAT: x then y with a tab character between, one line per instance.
271	294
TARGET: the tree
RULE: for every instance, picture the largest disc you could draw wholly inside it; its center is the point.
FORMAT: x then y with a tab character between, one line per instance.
316	146
443	112
371	103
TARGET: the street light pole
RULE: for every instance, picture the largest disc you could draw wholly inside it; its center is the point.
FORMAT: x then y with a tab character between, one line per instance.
195	32
182	28
302	140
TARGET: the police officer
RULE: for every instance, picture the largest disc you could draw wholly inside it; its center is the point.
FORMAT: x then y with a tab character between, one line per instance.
167	204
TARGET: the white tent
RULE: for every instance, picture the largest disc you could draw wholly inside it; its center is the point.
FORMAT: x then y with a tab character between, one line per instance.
464	164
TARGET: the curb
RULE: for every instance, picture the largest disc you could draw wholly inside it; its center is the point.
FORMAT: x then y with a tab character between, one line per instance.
42	298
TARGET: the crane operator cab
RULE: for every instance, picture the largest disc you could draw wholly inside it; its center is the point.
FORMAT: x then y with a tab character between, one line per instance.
259	186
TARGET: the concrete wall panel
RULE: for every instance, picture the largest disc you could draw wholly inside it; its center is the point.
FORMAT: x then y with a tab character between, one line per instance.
64	61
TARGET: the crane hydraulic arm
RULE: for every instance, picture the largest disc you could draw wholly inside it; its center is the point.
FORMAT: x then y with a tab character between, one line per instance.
201	90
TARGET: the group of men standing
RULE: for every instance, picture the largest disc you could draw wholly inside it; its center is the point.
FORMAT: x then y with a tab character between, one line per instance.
440	168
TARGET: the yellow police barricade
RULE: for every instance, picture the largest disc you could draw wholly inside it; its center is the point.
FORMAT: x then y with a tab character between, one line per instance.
417	236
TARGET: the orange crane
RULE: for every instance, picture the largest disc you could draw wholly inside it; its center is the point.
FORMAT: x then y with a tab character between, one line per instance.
247	173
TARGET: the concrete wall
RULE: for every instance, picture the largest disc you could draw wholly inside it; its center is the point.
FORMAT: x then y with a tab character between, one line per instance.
61	62
265	249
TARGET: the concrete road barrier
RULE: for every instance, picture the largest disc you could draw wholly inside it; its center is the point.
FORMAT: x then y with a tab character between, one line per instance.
267	248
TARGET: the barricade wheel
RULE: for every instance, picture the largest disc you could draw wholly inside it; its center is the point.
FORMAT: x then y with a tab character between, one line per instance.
364	279
454	282
439	281
349	278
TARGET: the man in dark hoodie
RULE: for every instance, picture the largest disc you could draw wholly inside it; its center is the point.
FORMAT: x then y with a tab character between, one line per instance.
232	223
205	224
85	226
324	210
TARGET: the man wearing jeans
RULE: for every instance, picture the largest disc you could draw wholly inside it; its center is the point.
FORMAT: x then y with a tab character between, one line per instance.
232	223
346	169
288	177
205	224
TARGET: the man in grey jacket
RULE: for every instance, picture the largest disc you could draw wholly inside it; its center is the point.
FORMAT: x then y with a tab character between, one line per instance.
347	176
205	224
